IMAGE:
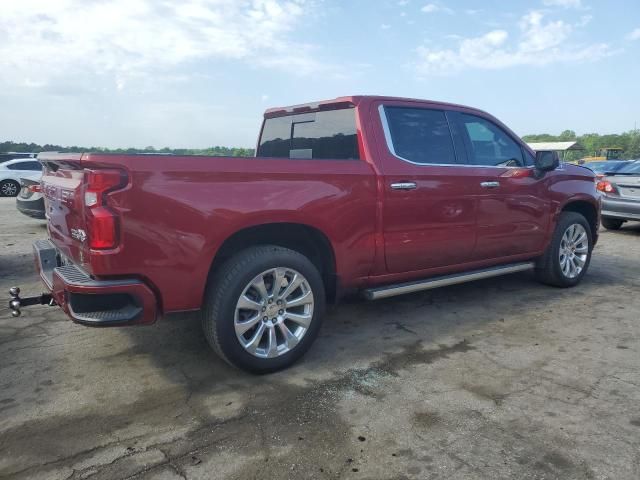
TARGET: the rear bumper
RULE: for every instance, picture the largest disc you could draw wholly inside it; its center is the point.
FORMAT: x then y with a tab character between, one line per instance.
98	303
620	208
31	208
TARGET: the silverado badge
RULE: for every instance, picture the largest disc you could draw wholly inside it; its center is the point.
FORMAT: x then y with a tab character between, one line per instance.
79	234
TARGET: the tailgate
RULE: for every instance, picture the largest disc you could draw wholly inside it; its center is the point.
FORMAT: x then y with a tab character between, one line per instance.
62	183
81	221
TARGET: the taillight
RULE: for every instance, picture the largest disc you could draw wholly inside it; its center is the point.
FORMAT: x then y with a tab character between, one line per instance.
605	186
102	222
37	188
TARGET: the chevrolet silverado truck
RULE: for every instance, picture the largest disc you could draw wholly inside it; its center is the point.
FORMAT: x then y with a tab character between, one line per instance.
377	195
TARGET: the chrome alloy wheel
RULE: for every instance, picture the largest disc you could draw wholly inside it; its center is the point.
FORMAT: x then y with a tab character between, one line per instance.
274	312
574	249
9	189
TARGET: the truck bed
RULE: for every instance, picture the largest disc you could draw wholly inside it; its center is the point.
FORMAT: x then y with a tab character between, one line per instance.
175	212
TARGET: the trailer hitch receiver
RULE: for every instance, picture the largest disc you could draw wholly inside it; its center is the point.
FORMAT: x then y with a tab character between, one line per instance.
16	302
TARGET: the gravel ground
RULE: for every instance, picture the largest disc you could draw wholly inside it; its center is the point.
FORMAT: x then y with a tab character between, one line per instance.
502	378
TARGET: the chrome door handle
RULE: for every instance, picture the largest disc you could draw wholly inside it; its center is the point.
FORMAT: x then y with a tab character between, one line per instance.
404	186
489	184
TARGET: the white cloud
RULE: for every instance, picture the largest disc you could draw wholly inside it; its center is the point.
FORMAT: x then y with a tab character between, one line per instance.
433	8
538	36
634	35
584	20
538	42
123	39
385	26
563	3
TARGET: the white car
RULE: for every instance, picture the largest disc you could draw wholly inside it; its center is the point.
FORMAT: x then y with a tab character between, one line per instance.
12	171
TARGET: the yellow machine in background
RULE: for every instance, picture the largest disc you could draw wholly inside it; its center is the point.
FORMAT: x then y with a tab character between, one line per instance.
603	155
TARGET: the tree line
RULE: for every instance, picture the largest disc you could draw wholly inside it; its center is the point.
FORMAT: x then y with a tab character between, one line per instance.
594	142
591	142
23	147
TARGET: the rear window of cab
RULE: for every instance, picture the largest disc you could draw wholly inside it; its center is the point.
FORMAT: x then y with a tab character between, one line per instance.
324	135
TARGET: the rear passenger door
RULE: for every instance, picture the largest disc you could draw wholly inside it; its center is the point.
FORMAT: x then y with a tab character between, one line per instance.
429	208
513	204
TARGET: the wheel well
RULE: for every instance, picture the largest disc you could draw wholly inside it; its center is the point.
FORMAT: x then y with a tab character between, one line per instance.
587	210
308	241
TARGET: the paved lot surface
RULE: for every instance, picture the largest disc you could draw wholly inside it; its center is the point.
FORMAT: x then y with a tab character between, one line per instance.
498	379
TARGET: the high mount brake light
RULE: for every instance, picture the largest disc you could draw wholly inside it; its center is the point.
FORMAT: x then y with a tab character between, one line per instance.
102	222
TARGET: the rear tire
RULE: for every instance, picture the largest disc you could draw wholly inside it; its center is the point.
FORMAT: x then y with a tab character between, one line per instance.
9	188
612	223
568	256
252	320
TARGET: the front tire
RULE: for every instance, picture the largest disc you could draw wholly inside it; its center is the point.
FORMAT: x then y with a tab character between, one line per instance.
263	308
569	254
9	188
612	223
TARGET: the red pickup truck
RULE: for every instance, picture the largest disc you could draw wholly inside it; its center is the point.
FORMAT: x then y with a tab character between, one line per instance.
376	195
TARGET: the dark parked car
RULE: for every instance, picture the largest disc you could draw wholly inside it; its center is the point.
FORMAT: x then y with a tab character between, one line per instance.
30	200
621	196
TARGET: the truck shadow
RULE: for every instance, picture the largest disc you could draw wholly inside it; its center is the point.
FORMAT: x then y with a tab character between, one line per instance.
357	332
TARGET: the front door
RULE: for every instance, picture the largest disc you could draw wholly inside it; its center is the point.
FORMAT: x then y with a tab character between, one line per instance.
429	208
512	205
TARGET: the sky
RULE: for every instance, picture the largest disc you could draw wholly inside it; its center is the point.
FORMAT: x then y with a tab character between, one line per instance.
198	73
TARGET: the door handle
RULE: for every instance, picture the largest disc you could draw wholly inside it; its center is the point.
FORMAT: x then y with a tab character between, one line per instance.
489	184
404	186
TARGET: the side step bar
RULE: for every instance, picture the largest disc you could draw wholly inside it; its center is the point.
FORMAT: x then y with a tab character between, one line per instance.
444	280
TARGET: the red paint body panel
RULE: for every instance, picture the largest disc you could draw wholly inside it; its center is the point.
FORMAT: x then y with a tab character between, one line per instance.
175	212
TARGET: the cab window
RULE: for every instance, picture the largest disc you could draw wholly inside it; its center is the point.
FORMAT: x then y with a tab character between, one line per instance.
488	144
329	134
419	135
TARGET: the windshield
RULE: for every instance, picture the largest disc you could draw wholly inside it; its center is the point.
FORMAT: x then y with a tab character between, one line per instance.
632	168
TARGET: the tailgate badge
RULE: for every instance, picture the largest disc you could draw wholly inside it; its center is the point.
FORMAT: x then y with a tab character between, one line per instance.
78	234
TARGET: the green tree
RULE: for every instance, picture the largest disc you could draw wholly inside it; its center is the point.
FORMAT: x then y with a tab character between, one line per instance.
567	136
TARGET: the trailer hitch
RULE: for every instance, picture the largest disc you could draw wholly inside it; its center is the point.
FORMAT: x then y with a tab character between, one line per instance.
16	302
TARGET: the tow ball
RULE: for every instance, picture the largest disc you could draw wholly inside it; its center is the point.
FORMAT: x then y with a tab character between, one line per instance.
16	302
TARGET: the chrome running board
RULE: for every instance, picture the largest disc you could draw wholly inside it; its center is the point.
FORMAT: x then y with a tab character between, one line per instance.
444	280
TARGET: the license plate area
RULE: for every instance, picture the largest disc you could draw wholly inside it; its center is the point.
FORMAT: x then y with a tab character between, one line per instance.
629	192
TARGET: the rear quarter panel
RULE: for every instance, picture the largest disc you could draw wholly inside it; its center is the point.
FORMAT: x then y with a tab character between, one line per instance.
177	212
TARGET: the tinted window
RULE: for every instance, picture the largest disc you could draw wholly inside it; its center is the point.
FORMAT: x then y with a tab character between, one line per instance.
37	166
329	134
420	135
276	138
488	144
25	166
529	160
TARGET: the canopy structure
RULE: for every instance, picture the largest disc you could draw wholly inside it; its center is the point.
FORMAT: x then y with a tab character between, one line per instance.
560	147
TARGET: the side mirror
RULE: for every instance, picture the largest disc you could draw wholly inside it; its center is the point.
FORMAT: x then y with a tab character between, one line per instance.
547	160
